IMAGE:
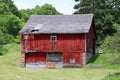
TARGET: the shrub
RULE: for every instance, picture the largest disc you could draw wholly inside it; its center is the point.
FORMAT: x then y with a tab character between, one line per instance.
2	50
116	60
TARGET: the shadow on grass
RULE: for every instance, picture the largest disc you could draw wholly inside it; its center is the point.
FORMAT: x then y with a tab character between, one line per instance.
94	58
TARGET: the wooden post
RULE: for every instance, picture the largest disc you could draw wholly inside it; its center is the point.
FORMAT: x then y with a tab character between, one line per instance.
83	59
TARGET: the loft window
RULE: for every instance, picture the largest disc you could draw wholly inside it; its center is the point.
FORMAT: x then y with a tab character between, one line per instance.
53	38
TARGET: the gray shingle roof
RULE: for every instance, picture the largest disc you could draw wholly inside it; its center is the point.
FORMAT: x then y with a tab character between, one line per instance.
58	24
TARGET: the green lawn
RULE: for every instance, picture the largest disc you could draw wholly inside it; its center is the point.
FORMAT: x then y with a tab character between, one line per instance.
106	60
115	76
8	71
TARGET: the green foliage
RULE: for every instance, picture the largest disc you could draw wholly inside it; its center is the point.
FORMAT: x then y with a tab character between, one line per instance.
116	60
109	61
115	76
8	48
2	50
9	27
14	24
102	59
17	39
106	13
3	8
111	44
10	22
12	8
46	9
25	14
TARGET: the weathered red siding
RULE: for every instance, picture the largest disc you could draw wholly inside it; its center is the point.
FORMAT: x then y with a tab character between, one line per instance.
37	45
35	57
76	55
64	43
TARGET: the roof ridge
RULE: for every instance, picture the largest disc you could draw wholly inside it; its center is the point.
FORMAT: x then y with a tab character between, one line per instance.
63	15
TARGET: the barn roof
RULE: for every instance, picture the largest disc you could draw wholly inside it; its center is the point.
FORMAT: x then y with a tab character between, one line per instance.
59	24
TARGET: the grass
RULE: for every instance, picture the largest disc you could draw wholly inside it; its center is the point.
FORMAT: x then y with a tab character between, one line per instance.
105	60
115	76
8	71
101	59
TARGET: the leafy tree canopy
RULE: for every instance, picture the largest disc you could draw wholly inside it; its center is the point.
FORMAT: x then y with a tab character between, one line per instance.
46	9
106	13
111	44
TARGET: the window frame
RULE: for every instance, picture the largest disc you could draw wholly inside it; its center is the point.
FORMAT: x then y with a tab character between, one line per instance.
51	38
72	60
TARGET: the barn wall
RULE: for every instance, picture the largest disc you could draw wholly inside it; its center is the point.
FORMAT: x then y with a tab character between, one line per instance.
64	43
37	46
90	44
35	57
76	55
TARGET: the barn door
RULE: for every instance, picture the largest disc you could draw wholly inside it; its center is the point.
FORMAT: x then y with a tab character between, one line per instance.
55	57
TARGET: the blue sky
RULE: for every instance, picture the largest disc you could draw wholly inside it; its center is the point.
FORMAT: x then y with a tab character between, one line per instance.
63	6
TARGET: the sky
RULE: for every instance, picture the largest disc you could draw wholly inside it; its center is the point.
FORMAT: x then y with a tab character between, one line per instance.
63	6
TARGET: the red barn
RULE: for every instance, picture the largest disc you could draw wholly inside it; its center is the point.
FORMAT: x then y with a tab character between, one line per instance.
62	39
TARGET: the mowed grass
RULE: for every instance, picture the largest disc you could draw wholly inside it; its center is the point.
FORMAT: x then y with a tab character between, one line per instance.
8	71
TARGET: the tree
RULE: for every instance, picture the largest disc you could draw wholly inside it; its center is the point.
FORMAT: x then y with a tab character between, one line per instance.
46	9
112	43
26	14
106	13
12	8
9	27
3	8
14	24
10	22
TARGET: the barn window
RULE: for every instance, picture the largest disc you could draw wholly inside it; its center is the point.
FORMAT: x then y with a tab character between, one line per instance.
72	60
53	38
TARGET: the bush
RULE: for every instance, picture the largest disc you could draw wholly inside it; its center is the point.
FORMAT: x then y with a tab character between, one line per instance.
9	48
116	60
2	50
17	40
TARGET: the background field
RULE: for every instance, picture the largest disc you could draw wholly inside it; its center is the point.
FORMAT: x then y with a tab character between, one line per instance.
9	71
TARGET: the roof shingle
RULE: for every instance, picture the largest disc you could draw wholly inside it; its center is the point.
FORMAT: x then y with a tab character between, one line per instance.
59	24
